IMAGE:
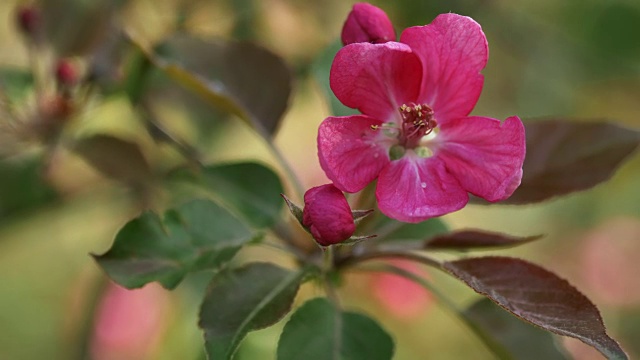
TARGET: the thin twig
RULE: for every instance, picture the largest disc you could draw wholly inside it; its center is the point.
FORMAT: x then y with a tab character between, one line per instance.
495	348
353	259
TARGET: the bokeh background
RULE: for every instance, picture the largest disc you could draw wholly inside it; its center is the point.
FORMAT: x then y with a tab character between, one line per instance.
571	58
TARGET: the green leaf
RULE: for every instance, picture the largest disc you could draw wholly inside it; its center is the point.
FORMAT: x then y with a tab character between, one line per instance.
394	231
22	186
321	70
320	331
294	209
15	83
240	77
472	239
241	300
564	156
523	341
538	296
252	189
198	235
115	158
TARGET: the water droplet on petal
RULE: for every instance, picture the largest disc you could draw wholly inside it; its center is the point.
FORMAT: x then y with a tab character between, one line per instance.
423	185
376	155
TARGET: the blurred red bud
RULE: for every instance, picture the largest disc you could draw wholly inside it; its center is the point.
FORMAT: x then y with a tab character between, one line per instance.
367	23
29	19
66	73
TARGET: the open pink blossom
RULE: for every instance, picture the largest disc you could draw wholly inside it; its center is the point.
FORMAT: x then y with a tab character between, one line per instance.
415	136
327	215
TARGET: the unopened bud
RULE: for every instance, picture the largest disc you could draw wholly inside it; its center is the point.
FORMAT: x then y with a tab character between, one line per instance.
367	23
327	215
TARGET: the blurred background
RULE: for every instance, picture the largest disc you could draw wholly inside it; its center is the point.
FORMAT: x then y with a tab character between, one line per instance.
572	58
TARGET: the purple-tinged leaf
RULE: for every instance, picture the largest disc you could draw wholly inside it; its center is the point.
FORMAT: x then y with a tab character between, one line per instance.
359	215
522	340
115	158
537	296
76	27
475	239
239	77
565	156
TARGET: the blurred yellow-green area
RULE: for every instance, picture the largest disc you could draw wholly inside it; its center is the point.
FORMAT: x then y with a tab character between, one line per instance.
572	58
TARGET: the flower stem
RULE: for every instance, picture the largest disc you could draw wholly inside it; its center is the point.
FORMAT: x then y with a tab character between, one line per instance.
284	163
328	267
328	256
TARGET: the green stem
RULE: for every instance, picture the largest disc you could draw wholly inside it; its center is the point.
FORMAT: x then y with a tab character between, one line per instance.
160	133
284	163
328	267
389	229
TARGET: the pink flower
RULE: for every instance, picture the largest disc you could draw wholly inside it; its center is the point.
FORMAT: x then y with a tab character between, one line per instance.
415	136
327	215
367	23
400	296
130	324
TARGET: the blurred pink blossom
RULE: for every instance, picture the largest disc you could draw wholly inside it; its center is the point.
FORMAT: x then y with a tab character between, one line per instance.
610	264
130	324
401	297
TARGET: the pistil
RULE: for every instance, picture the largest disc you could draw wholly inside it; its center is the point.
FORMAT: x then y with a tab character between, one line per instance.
417	121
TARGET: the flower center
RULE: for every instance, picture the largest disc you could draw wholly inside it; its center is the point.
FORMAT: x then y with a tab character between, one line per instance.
417	121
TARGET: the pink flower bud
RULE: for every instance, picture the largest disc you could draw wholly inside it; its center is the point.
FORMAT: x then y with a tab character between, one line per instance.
66	73
367	23
327	215
29	20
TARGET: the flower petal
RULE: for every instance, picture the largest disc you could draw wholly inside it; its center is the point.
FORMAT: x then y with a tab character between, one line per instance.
376	78
414	189
350	152
328	215
484	154
453	50
367	23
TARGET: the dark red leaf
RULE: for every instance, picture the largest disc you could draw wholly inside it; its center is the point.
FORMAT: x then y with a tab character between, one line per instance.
476	239
564	156
116	158
537	296
520	339
231	75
